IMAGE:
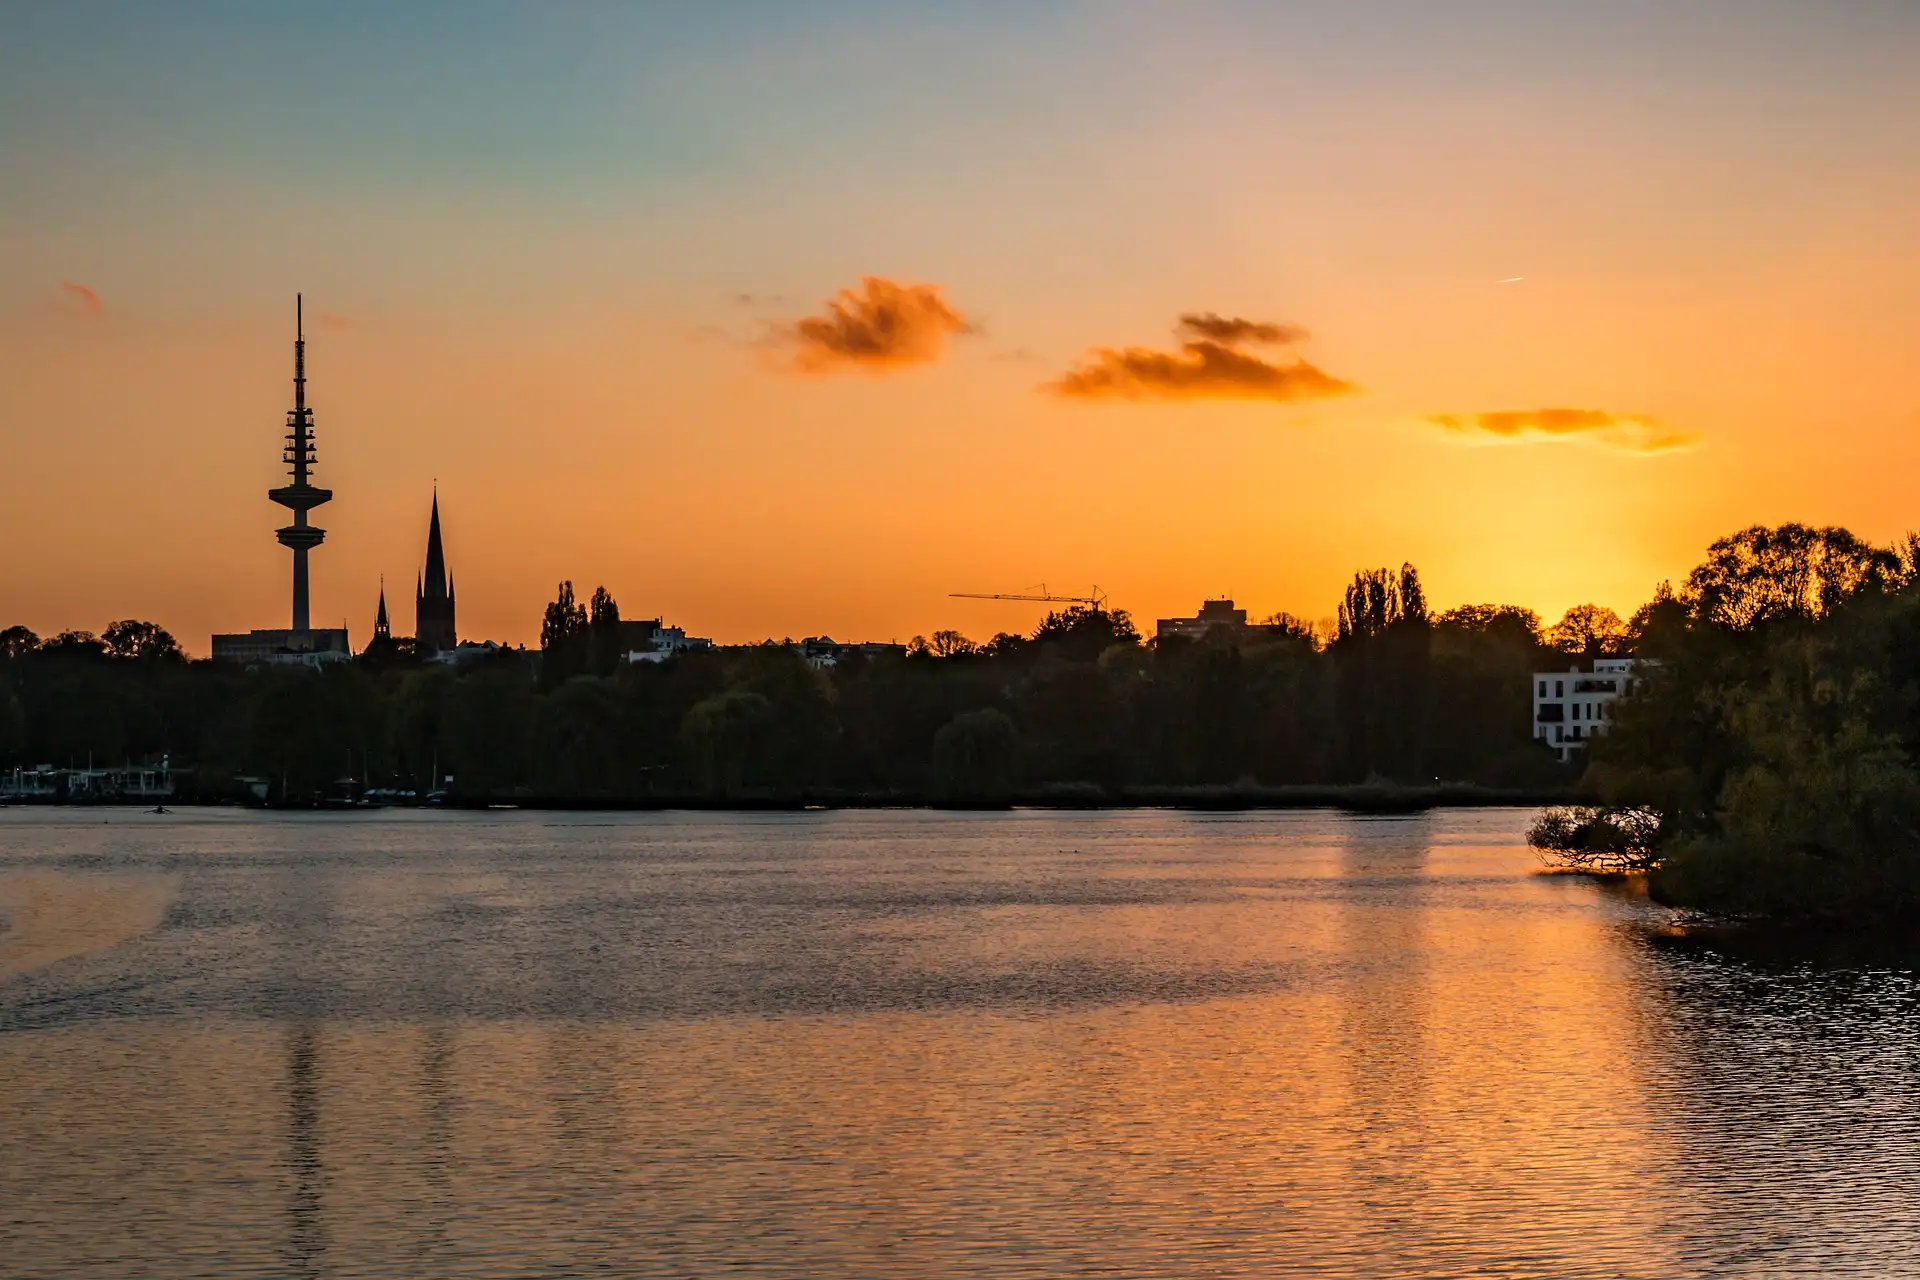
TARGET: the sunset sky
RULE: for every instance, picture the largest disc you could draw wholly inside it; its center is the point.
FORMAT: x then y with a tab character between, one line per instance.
790	319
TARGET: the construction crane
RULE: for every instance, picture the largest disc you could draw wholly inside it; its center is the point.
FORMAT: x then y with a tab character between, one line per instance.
1093	599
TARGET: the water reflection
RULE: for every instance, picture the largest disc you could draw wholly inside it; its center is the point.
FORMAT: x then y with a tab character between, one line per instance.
1792	1065
436	1153
306	1218
921	1045
1384	1034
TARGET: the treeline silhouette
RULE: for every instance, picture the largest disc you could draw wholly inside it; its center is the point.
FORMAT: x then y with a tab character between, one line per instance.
1081	709
1768	763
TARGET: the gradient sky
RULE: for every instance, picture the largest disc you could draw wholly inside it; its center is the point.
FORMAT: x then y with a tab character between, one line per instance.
551	255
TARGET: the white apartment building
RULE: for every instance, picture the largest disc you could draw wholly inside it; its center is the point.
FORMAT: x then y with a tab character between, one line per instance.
1571	706
666	642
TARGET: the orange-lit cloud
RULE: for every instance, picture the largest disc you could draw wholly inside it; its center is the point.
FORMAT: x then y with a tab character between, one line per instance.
1633	432
327	320
89	300
1208	366
879	326
1235	331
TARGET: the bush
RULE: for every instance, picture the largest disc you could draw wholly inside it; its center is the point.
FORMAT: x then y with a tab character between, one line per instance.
1613	838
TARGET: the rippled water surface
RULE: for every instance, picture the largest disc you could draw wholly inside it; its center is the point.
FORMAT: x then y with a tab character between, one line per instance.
918	1045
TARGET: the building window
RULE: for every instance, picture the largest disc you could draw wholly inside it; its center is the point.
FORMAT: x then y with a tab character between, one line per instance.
1556	733
1559	688
1543	688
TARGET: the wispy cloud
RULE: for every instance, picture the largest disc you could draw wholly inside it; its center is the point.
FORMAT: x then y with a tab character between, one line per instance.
1631	432
327	320
89	300
881	325
1237	332
1208	365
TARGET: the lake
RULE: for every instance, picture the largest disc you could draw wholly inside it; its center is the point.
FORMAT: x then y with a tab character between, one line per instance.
874	1044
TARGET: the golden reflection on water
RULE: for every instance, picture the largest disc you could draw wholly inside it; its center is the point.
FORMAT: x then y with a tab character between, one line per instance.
47	916
1449	1067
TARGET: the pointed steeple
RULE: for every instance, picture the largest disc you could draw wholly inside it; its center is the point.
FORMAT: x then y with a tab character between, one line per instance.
436	577
434	627
382	627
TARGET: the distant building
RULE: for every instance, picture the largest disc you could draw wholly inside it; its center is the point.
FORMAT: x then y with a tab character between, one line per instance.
312	647
433	612
385	647
823	653
1216	615
1570	707
468	652
123	782
650	641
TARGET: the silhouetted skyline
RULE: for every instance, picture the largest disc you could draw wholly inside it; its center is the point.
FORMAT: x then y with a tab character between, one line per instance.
788	321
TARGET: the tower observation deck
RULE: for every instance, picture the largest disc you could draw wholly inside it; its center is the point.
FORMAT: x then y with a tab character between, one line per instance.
301	496
302	643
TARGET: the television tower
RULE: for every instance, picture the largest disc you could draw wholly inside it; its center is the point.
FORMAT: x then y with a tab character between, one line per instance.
300	496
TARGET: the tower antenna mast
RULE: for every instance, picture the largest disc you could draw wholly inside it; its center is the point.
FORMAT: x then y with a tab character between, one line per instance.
300	496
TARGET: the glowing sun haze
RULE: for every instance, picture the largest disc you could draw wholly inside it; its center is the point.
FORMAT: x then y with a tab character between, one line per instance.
787	320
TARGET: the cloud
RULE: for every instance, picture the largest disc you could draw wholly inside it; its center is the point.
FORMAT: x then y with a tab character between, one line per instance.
879	326
1632	432
89	300
1208	366
327	320
1236	332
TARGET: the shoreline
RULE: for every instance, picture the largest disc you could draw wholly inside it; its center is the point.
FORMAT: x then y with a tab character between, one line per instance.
1360	798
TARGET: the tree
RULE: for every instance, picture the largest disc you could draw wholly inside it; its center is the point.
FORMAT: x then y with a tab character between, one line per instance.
950	644
486	719
17	642
1286	626
564	643
133	640
1382	655
1610	838
603	632
1507	622
75	644
1479	718
974	755
1588	631
1658	625
564	619
1762	575
1005	644
721	735
13	728
1084	632
1775	741
1377	599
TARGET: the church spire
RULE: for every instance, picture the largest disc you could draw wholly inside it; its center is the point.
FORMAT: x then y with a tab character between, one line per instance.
382	627
435	586
433	599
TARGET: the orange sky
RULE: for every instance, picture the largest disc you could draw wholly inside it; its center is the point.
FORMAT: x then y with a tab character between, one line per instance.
539	303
